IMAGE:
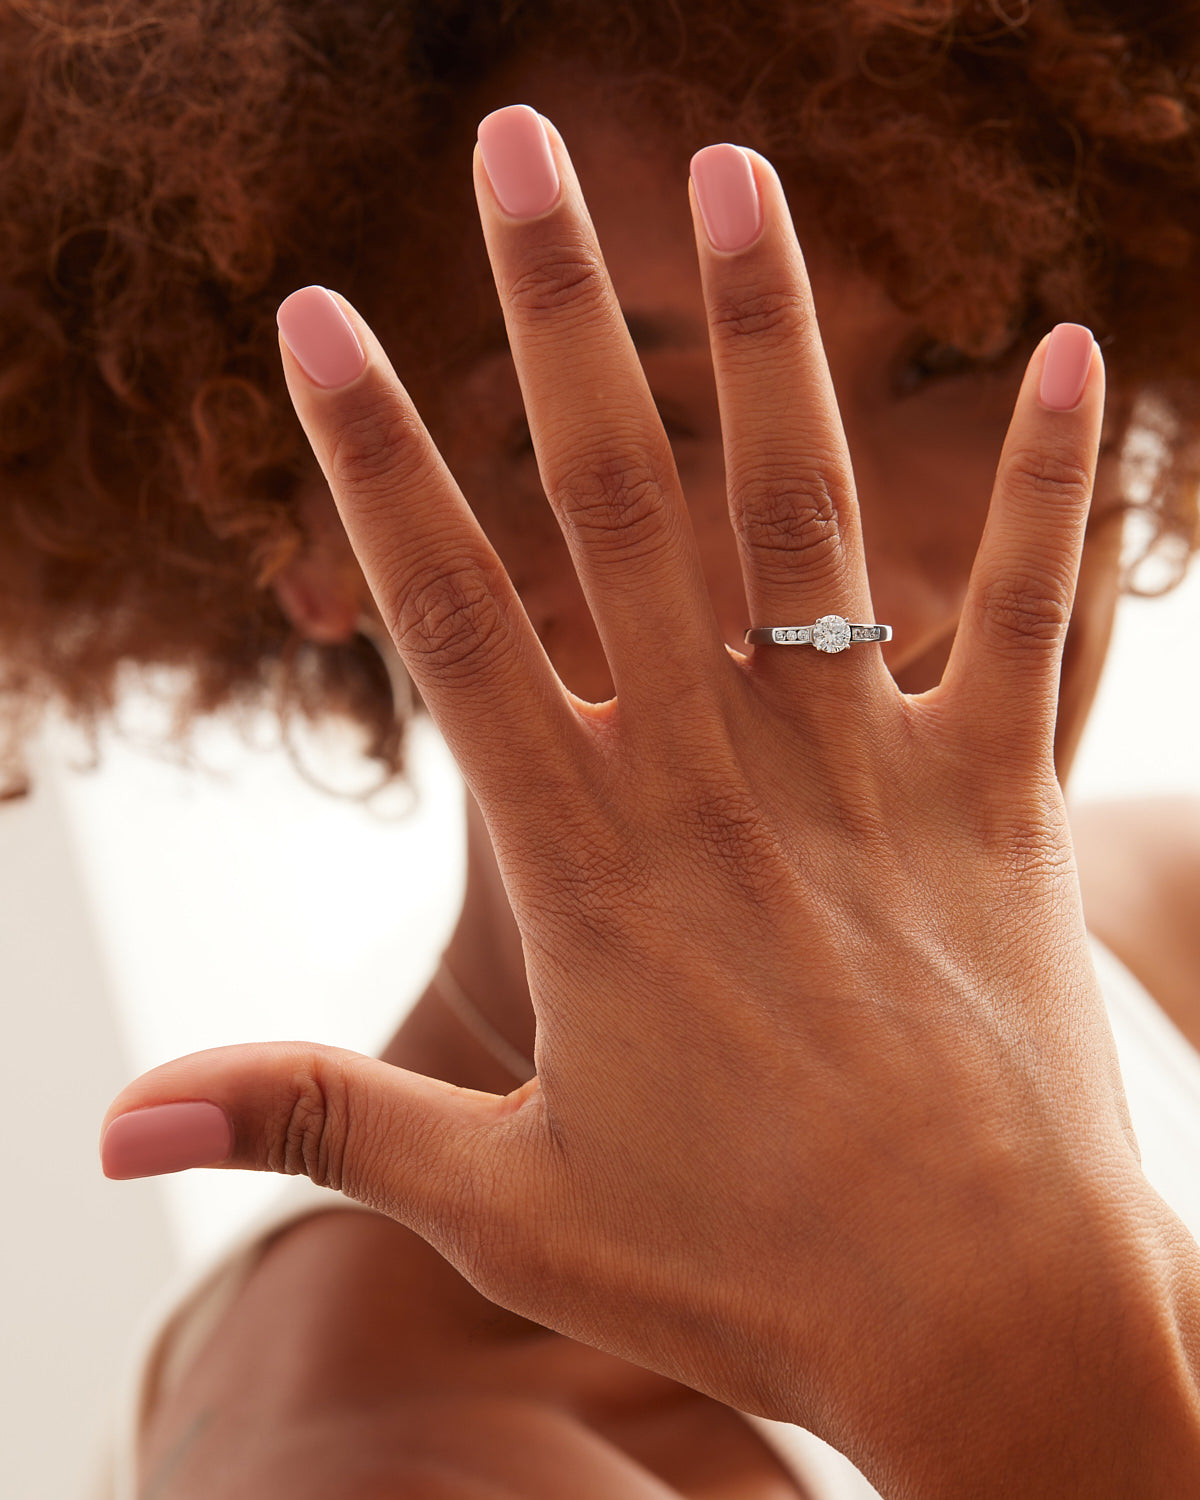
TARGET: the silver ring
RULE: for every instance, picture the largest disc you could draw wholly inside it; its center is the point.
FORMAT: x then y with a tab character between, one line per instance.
830	633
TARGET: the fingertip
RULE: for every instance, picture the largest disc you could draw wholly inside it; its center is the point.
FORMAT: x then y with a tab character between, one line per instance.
320	337
1066	365
166	1138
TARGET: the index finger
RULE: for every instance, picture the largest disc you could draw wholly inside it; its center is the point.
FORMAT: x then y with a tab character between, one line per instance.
442	591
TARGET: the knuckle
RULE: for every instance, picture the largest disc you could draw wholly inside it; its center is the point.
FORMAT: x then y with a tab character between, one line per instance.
764	314
726	824
586	886
1042	473
555	279
376	448
1027	612
857	810
1035	842
791	516
1008	799
450	621
311	1139
615	498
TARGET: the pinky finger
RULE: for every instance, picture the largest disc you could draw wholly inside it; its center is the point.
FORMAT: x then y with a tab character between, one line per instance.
1002	677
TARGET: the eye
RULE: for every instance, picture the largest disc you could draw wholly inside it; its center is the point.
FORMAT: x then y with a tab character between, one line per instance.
931	360
928	360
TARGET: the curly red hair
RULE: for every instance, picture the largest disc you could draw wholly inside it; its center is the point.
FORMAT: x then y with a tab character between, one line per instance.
173	168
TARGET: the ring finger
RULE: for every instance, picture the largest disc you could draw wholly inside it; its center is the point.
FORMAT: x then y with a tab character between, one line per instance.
787	466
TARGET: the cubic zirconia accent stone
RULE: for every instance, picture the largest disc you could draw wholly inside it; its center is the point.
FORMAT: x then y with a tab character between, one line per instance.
831	633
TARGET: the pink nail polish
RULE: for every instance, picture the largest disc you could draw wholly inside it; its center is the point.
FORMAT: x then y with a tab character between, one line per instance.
166	1138
316	331
1065	371
728	196
520	166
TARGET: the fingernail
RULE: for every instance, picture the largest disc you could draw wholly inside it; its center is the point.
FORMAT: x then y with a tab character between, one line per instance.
315	329
728	197
1065	371
518	160
166	1138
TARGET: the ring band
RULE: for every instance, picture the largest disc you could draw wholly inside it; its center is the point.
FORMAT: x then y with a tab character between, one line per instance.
830	633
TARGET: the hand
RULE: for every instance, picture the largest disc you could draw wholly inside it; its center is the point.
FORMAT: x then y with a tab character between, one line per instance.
827	1121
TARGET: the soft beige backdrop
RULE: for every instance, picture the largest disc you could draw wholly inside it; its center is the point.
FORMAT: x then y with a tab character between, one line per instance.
147	911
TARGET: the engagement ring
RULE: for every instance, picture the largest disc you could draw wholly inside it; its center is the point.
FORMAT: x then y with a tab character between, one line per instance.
830	633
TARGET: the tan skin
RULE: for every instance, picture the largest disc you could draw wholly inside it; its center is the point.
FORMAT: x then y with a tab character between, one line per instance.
356	1354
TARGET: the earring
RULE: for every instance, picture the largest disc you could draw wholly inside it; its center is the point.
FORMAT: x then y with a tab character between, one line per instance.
402	690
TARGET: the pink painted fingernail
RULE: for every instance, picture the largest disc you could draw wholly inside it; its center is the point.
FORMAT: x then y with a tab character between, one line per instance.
519	163
166	1138
317	332
728	197
1065	371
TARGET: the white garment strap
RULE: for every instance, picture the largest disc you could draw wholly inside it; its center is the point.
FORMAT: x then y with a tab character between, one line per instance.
451	992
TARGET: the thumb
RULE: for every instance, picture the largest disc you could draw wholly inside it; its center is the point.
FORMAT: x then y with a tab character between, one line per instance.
426	1153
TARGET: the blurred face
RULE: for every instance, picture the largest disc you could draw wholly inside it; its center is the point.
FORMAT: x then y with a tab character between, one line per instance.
924	426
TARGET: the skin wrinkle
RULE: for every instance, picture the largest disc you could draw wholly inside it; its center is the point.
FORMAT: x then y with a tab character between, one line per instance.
895	502
175	313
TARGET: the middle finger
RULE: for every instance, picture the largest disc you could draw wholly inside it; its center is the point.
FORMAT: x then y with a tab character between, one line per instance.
604	458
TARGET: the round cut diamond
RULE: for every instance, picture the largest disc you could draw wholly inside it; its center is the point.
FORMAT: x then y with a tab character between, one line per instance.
831	633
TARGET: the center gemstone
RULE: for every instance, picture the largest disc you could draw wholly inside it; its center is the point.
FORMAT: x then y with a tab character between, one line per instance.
831	633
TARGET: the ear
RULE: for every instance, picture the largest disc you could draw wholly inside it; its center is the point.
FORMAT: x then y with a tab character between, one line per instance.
322	590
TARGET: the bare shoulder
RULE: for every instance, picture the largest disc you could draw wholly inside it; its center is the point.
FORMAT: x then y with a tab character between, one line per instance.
458	1446
1139	869
355	1360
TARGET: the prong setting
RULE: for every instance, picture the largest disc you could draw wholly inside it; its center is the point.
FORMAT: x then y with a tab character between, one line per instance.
831	633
